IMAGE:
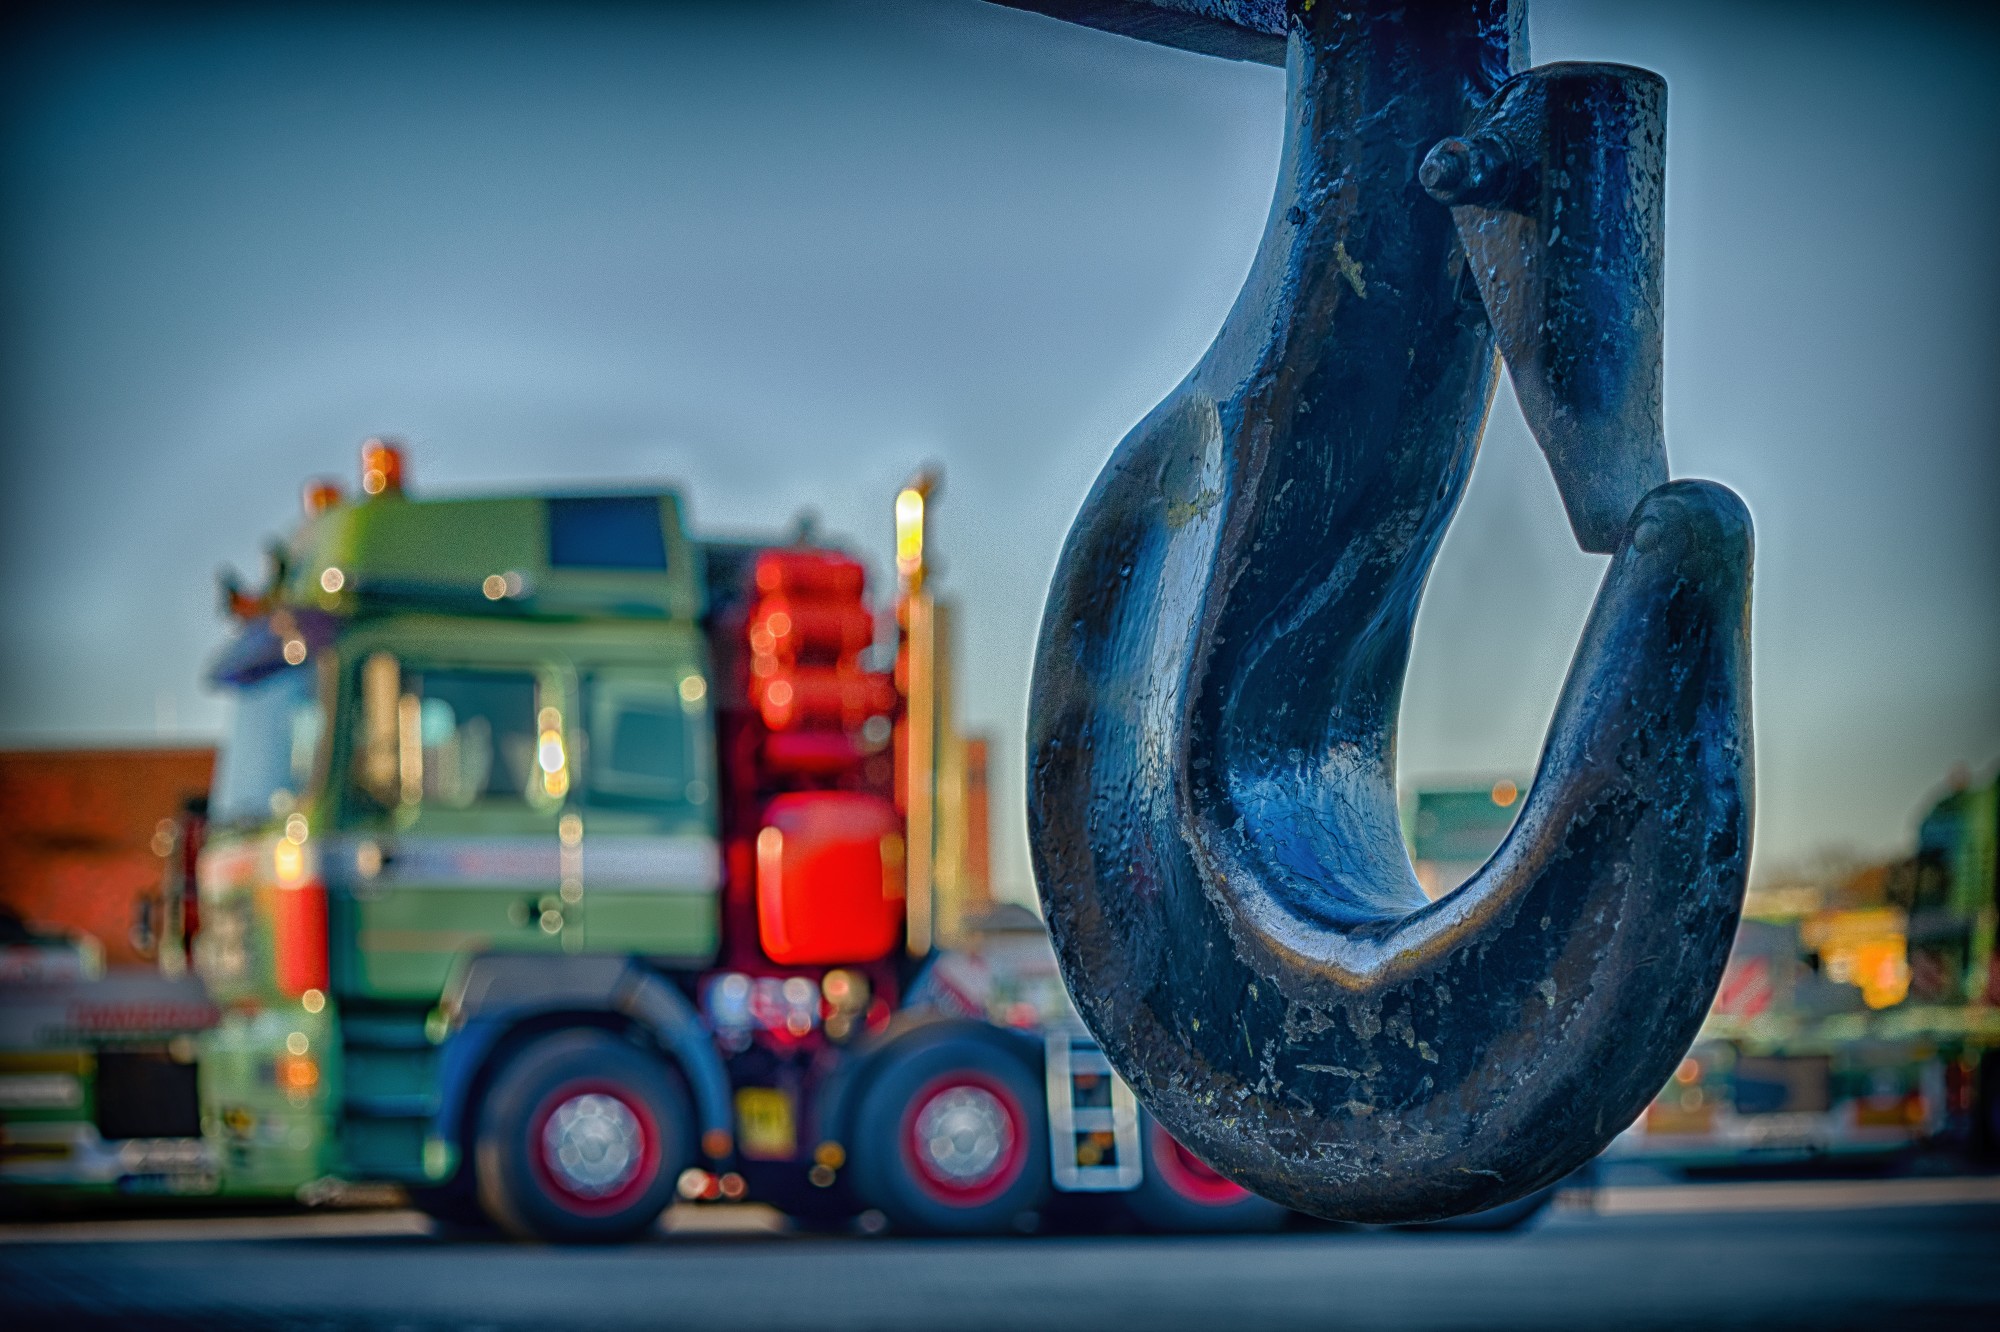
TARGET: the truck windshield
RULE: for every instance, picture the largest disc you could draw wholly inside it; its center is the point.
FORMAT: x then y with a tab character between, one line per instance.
272	753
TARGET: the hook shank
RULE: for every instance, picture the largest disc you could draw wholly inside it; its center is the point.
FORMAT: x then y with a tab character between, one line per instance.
1212	781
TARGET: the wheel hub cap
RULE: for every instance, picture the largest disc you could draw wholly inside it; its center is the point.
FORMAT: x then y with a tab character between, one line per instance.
963	1135
592	1145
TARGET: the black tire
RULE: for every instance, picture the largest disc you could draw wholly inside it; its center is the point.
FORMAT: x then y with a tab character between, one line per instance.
984	1168
1179	1193
630	1135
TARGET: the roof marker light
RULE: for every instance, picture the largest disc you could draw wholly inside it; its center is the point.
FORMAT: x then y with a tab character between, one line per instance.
381	467
320	495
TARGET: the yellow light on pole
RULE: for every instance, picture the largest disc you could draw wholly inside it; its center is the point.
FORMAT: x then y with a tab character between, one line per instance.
917	670
910	535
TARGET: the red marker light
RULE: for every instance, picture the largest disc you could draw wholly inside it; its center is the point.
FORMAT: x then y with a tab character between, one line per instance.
299	938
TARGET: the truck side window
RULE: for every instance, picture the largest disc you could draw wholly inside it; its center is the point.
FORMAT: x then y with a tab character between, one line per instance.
461	738
272	756
643	748
477	730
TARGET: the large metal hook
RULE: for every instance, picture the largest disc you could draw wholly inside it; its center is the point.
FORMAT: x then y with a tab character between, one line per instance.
1212	799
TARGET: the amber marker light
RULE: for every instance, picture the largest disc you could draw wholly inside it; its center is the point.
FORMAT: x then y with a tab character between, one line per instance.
320	494
381	467
551	755
288	863
297	1074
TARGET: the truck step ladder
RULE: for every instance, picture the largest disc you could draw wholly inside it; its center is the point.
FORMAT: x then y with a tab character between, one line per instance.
1093	1118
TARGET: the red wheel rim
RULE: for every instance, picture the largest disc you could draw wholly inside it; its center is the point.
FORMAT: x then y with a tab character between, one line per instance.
573	1137
965	1138
1188	1175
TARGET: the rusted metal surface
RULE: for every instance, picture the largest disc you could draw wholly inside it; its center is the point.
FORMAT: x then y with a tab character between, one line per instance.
1212	796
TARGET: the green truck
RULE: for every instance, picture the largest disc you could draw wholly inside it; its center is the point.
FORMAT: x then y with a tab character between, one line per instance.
560	864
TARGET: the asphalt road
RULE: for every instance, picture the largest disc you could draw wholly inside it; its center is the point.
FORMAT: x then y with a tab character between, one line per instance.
1903	1254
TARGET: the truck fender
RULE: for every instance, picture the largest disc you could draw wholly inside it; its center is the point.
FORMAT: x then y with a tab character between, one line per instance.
494	995
664	1011
841	1093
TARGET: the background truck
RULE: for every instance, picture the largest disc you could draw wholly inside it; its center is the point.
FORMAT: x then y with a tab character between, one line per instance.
559	863
97	1042
1859	1017
1857	1020
97	1073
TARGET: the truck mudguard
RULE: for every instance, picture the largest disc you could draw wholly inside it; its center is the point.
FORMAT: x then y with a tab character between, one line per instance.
493	995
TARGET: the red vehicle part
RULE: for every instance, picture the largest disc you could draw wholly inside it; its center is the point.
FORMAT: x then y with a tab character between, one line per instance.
299	938
825	697
811	573
829	878
795	629
1187	1174
1179	1193
810	753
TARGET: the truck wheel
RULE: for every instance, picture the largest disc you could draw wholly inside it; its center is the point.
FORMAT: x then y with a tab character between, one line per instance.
581	1140
1179	1192
952	1139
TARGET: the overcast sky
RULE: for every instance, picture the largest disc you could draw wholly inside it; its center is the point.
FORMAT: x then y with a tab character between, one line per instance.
781	255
